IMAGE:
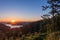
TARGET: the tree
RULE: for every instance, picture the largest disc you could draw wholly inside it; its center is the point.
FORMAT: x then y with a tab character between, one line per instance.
54	5
46	16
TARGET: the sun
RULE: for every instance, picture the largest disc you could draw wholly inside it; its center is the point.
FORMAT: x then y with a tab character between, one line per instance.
13	21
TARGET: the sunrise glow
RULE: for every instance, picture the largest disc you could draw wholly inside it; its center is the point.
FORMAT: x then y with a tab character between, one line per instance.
13	21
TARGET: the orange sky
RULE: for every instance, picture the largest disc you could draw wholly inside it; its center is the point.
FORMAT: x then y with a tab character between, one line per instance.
19	20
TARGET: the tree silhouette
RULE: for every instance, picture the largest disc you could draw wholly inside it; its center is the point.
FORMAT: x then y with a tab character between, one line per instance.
54	5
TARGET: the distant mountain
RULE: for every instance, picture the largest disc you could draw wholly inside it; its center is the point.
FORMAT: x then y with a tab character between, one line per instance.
17	23
4	28
28	27
23	23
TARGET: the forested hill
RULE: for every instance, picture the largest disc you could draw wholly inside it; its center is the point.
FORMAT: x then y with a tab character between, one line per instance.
35	29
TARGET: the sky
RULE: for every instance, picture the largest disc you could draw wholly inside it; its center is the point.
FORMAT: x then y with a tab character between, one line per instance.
21	10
